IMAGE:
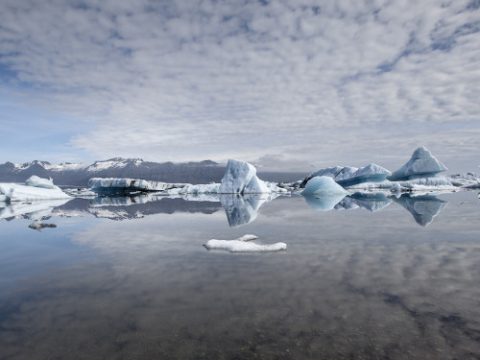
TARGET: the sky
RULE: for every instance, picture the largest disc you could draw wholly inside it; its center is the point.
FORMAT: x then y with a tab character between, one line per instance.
287	84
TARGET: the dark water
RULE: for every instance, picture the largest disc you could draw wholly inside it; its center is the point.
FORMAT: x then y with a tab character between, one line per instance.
123	280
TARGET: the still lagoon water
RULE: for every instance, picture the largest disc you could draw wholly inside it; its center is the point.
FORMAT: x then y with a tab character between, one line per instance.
373	278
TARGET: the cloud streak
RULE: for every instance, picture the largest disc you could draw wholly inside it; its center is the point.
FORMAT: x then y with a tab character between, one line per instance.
205	79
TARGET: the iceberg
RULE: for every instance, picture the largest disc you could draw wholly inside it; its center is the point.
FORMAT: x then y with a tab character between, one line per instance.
241	178
40	182
349	175
12	192
323	185
244	244
126	185
421	164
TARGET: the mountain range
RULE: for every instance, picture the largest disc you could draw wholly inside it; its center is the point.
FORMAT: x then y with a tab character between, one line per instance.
73	174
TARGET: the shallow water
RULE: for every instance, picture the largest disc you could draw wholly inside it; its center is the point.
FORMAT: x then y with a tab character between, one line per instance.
130	279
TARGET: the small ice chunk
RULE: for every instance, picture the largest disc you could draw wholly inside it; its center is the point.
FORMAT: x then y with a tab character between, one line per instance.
421	164
244	244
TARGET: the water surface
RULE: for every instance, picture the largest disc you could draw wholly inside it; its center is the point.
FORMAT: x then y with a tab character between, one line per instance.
129	279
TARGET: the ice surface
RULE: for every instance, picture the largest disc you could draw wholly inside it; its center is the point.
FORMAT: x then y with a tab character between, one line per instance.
244	244
421	164
13	192
323	185
40	182
349	175
241	178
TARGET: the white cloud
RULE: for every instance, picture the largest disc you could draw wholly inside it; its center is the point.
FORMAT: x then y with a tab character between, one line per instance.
204	79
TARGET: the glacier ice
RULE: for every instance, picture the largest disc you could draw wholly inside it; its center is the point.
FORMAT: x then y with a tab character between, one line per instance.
40	182
244	244
421	164
349	175
323	185
13	192
241	178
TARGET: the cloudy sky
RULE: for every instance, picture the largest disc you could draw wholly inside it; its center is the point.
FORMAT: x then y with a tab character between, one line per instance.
286	84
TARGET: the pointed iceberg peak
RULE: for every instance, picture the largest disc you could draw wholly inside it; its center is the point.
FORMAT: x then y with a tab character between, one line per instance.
241	178
421	164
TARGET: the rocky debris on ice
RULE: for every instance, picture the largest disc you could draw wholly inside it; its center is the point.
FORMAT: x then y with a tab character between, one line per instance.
35	189
421	164
126	185
323	185
244	244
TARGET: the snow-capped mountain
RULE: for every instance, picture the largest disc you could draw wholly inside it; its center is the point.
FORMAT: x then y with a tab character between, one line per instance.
75	174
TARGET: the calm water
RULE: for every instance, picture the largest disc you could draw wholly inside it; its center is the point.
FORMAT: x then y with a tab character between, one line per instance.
123	280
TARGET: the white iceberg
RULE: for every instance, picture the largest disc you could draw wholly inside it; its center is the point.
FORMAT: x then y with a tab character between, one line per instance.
12	192
421	164
40	182
349	175
241	178
244	244
323	185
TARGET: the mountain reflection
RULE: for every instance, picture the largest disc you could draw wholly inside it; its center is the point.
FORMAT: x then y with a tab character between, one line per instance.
239	210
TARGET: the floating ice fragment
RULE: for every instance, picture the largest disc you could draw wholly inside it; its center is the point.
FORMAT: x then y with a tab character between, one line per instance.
244	244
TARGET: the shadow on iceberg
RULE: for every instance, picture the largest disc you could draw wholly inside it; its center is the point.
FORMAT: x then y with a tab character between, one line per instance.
423	208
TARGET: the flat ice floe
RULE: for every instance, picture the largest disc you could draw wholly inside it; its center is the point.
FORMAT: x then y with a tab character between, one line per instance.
244	244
